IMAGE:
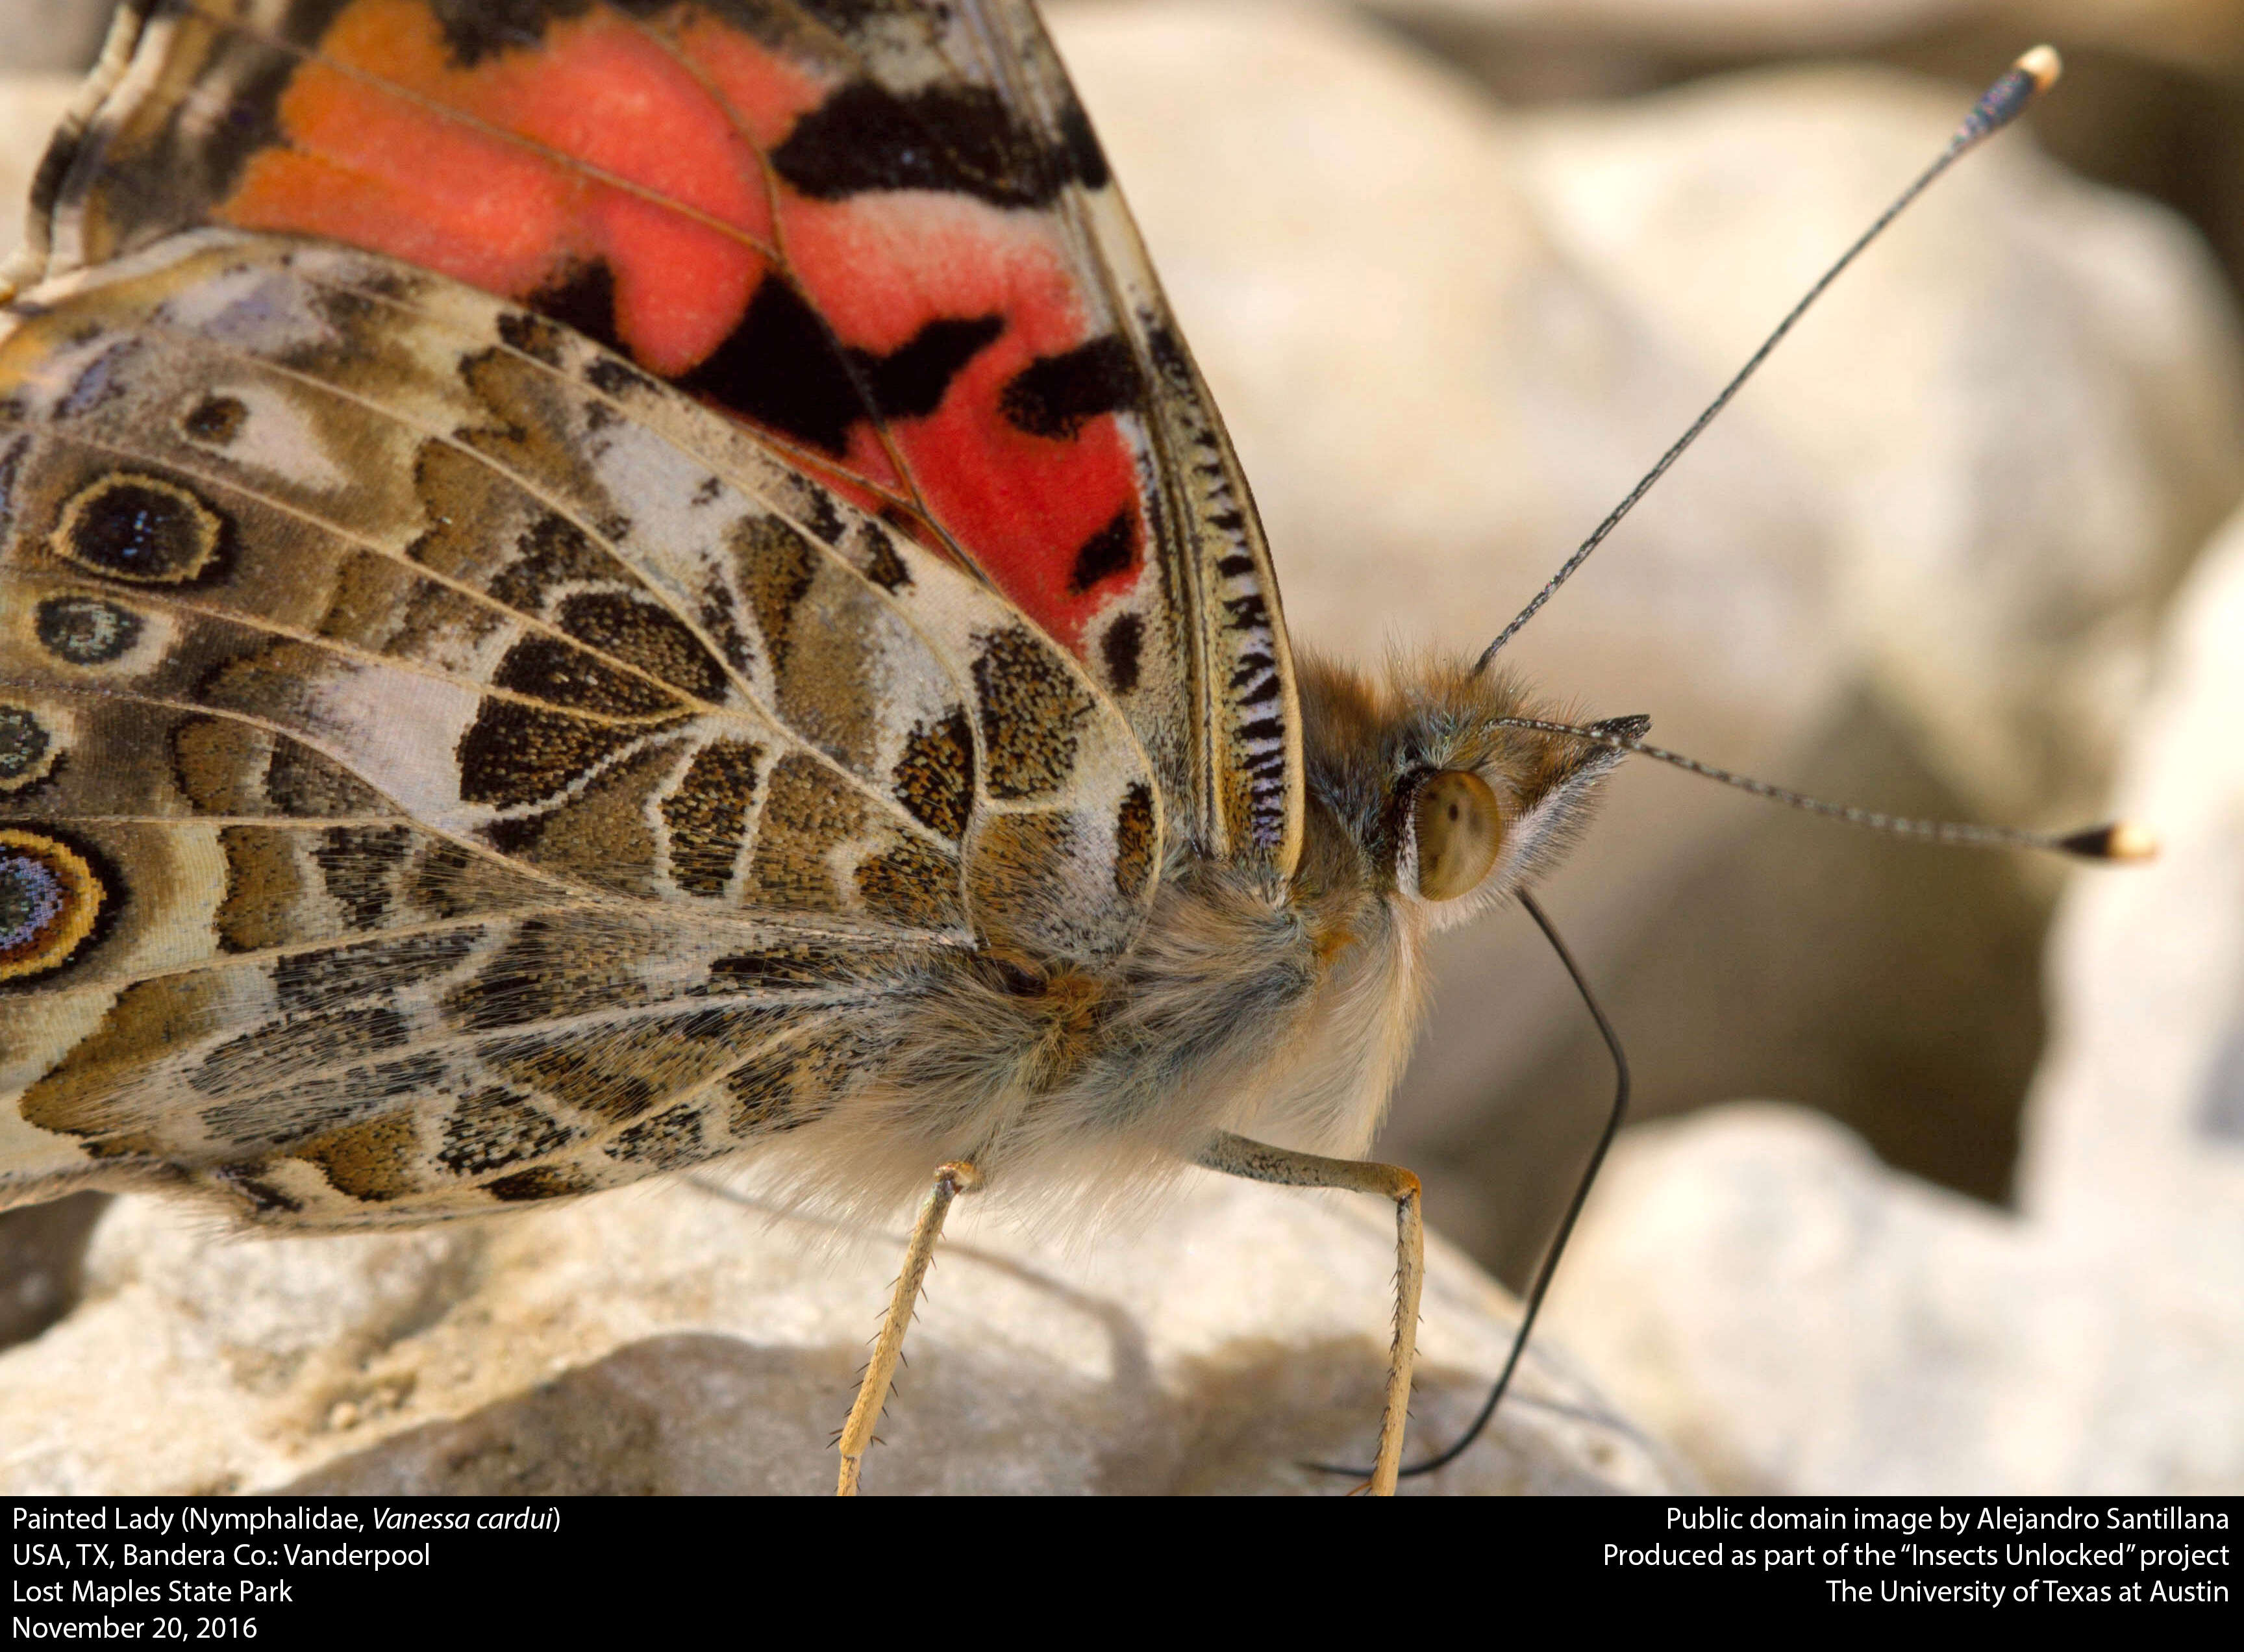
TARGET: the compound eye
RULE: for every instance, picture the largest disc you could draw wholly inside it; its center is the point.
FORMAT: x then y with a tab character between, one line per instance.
1459	830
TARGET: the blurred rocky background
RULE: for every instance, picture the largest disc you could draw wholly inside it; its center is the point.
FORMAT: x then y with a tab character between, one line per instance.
1458	270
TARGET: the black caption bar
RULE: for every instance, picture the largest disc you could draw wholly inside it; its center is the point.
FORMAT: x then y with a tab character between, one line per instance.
290	1571
1970	1553
285	1571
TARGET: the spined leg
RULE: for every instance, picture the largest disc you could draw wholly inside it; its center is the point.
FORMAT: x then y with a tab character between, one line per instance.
1236	1155
873	1394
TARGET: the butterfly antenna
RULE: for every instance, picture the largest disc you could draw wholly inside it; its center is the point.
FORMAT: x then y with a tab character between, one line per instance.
1998	105
2114	840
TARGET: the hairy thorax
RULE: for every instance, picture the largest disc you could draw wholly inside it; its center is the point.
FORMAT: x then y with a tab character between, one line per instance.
1281	1007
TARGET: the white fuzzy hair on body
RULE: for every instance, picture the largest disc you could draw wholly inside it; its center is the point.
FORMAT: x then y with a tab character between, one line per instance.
1282	1009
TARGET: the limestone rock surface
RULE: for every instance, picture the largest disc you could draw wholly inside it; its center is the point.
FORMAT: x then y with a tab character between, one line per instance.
1794	1317
30	105
2024	402
61	37
676	1338
2196	32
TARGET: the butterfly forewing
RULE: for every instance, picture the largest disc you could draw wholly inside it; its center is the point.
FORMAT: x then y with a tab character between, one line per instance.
450	765
881	236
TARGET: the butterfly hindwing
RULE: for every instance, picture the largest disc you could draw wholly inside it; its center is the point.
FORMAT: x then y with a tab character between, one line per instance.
468	768
879	234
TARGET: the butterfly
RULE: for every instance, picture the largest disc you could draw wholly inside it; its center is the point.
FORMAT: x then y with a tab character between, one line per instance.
595	585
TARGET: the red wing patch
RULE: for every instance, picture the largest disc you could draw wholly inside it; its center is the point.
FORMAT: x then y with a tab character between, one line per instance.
849	269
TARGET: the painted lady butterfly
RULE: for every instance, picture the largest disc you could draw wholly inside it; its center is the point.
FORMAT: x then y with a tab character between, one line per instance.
592	585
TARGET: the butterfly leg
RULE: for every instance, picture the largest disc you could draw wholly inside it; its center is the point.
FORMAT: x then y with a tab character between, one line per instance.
873	1394
1235	1156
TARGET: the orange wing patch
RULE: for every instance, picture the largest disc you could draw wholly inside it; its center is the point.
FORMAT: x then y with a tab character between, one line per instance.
523	171
848	269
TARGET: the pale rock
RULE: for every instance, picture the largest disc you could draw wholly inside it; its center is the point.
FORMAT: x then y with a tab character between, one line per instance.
42	1261
2191	33
2141	1105
61	37
30	106
1794	1317
2133	1159
2024	399
680	1339
1701	28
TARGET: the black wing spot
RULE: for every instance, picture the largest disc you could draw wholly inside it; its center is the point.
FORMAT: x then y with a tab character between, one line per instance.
641	635
582	295
1112	550
357	864
330	977
613	377
1057	396
911	382
825	521
1085	158
780	367
540	1181
299	1048
958	140
300	781
1249	613
514	755
1119	649
546	669
475	29
666	1140
495	1127
215	420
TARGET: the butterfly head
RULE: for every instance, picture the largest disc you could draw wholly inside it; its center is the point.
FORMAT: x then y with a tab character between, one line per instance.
1418	787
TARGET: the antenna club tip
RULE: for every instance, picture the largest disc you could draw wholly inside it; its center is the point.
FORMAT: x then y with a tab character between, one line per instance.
2132	841
2123	839
2042	65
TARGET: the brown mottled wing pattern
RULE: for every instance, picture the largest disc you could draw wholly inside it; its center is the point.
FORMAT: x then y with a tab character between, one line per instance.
442	765
879	234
